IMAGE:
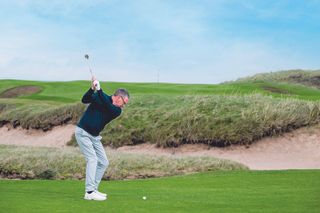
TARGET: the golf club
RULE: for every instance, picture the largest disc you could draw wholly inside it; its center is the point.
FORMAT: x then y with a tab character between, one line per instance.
86	56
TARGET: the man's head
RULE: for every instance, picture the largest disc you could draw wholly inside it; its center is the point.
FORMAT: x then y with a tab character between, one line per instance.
120	97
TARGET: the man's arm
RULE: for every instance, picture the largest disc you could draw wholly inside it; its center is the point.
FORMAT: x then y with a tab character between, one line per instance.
100	99
105	102
88	96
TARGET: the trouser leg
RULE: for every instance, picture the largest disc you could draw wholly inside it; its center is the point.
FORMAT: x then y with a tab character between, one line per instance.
102	159
86	147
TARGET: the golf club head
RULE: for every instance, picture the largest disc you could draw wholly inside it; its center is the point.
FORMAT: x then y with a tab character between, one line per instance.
86	56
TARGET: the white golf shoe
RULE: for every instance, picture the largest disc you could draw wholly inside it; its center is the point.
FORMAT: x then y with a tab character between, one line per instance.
94	196
101	194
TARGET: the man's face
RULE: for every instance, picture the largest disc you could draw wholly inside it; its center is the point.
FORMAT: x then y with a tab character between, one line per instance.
120	101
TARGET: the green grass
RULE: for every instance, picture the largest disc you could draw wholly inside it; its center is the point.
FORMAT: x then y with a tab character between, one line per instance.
293	191
70	92
169	115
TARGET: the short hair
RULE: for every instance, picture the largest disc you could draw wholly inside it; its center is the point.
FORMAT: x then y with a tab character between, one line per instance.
122	92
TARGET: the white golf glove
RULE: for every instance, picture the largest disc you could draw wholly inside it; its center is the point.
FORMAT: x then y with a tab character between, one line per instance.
96	85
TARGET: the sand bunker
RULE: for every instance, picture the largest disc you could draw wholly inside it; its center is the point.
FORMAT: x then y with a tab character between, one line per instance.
299	149
268	154
57	137
20	91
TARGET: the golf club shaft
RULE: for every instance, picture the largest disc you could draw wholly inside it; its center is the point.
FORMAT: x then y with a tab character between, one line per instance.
89	68
87	58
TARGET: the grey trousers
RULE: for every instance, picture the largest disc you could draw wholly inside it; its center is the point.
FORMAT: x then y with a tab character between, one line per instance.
94	153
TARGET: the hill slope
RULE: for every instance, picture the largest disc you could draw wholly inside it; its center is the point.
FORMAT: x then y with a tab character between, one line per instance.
303	77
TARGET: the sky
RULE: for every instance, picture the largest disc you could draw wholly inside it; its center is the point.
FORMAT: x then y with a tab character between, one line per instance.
177	41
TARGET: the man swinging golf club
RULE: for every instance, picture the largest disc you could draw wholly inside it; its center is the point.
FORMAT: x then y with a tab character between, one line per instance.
101	110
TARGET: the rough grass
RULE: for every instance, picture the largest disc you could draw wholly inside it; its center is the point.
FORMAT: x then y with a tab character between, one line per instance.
68	163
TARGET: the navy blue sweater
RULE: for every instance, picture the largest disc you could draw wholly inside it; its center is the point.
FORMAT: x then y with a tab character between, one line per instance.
99	113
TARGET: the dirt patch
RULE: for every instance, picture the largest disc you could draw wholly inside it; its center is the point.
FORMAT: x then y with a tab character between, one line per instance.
20	91
276	90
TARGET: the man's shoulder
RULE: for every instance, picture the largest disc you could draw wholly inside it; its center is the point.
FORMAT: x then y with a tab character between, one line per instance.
118	110
106	95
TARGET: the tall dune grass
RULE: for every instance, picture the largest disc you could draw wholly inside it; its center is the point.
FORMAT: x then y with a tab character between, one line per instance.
57	163
217	120
214	120
40	116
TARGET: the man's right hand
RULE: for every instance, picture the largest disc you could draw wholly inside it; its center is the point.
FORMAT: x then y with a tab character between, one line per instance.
92	83
96	84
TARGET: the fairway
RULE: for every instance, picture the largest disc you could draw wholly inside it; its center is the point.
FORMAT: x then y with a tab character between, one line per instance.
245	191
72	91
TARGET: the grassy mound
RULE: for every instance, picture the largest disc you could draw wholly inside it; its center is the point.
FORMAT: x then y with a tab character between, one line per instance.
39	115
55	163
304	77
212	120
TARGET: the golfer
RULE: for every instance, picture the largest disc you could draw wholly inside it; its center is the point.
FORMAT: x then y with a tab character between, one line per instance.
101	110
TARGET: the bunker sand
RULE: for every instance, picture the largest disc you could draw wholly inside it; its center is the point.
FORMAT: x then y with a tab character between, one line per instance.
299	149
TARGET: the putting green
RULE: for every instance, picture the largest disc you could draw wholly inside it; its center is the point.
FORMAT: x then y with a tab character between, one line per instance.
245	191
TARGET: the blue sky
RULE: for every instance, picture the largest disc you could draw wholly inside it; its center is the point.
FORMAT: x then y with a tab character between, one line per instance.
184	41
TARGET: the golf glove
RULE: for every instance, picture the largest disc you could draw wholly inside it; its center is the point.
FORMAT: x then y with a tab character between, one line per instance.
96	84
